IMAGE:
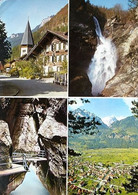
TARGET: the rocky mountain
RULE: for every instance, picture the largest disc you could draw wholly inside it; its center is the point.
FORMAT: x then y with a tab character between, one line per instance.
89	117
31	125
120	134
45	20
109	120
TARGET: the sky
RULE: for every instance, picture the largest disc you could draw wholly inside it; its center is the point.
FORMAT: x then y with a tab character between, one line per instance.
106	107
15	13
110	3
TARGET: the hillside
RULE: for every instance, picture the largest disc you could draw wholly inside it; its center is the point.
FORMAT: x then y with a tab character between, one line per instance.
58	23
121	134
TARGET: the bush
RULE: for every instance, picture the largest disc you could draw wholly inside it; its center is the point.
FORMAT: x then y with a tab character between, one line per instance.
29	69
14	72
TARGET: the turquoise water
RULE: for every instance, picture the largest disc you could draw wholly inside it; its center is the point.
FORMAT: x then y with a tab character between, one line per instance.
31	185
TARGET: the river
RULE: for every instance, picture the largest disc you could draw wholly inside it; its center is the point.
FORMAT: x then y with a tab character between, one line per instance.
31	184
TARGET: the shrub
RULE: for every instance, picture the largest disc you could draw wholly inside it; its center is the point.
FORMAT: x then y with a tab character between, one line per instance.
14	72
29	69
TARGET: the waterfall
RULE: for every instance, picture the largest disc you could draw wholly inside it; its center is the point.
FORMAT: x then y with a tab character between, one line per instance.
103	64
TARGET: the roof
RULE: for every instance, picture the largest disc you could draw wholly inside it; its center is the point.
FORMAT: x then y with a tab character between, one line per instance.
27	36
47	35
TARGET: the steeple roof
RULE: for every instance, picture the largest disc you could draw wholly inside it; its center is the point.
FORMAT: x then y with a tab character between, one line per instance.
27	37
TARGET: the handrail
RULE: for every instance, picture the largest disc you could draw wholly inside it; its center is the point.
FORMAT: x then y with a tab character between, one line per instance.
25	157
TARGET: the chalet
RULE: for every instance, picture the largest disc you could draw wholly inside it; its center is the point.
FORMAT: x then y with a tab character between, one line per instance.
52	49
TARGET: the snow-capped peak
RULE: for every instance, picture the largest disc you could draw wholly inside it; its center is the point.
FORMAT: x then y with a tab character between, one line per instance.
109	120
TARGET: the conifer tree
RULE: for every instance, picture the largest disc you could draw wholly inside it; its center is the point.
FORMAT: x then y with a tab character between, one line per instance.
80	124
135	108
133	3
5	46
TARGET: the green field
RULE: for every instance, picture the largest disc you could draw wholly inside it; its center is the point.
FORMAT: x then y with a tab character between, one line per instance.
111	155
85	170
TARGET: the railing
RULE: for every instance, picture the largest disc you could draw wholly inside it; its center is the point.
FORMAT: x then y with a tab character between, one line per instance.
22	158
42	154
27	155
60	79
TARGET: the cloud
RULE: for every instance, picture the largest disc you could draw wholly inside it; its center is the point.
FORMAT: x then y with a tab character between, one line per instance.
75	106
128	102
2	1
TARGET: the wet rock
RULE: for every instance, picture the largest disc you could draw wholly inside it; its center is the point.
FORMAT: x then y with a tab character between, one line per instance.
5	145
124	35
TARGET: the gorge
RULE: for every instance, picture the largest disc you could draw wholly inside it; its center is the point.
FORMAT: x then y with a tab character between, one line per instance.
28	126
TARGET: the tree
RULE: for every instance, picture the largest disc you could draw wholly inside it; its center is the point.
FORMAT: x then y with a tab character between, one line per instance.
81	124
135	108
5	46
132	3
132	186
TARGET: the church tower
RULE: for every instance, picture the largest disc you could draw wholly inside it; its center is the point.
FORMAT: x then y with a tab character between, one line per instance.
27	41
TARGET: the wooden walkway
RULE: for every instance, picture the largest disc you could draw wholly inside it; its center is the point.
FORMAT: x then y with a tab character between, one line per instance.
16	168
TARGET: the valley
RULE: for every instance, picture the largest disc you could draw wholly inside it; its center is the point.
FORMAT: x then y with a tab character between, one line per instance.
103	147
102	171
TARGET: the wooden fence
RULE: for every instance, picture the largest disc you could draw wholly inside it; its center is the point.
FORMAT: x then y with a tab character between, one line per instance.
60	79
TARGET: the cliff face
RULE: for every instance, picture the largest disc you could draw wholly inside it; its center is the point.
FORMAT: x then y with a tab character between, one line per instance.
124	35
34	124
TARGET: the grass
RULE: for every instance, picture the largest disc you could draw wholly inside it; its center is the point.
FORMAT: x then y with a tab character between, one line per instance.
111	155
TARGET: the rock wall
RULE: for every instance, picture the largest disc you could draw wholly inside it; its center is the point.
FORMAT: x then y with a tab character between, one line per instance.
124	35
36	124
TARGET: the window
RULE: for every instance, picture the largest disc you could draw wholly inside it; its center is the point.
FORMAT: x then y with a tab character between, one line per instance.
57	47
24	50
66	47
57	58
62	58
62	46
47	48
51	58
50	47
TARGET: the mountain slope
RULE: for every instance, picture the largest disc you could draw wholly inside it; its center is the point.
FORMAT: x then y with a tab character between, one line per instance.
121	134
83	113
58	23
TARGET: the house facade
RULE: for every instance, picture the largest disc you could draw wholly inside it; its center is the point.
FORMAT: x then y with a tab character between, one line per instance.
51	50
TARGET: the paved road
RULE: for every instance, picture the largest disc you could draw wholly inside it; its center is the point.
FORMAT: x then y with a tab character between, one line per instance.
25	87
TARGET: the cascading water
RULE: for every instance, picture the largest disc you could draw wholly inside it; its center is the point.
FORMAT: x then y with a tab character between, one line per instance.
103	64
